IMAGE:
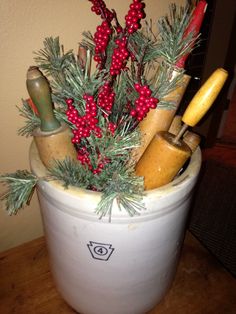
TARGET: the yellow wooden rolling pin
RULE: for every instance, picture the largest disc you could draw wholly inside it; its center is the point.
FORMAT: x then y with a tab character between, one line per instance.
167	153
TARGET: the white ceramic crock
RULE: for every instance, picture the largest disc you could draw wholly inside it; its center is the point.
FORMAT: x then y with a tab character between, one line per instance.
120	267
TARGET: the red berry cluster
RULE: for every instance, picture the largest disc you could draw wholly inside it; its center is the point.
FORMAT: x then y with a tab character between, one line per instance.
84	124
83	157
119	57
101	39
101	164
112	127
144	103
106	98
99	7
135	14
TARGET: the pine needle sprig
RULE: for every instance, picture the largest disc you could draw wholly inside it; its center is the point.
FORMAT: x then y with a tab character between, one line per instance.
124	188
20	188
125	95
52	58
163	83
32	121
67	82
62	117
78	85
70	173
173	44
144	46
67	78
117	146
116	182
88	41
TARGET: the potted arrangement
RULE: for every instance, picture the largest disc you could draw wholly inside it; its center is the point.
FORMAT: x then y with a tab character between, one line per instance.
113	224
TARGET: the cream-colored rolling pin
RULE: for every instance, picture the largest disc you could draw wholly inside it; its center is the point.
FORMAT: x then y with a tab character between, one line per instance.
159	119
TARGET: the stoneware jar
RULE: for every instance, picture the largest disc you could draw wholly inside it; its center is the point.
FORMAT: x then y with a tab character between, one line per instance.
120	267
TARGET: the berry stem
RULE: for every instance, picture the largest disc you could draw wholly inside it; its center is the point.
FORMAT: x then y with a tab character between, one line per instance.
118	26
141	66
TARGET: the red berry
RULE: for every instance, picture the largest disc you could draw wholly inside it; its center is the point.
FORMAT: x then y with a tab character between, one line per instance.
101	39
135	14
83	124
143	103
119	57
106	98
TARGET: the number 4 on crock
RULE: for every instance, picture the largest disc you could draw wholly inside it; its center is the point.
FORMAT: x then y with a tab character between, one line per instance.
100	251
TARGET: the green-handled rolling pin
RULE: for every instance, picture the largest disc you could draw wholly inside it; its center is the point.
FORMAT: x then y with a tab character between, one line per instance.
39	91
52	138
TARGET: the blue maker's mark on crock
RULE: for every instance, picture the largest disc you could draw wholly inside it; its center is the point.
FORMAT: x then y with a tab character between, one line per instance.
100	251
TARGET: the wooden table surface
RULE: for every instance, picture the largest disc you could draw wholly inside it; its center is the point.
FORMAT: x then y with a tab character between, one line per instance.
201	286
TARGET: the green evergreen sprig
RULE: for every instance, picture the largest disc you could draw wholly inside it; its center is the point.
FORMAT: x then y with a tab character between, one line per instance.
20	187
125	189
88	42
117	182
67	78
172	43
52	58
69	173
32	121
163	84
144	45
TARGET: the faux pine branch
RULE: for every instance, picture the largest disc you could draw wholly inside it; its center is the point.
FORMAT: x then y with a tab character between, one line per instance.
172	42
125	189
32	121
52	59
20	187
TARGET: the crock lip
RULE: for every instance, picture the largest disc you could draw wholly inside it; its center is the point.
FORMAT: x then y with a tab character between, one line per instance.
167	198
191	171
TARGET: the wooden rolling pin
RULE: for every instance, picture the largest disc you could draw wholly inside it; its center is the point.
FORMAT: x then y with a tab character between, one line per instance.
159	119
176	125
52	138
190	138
167	153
